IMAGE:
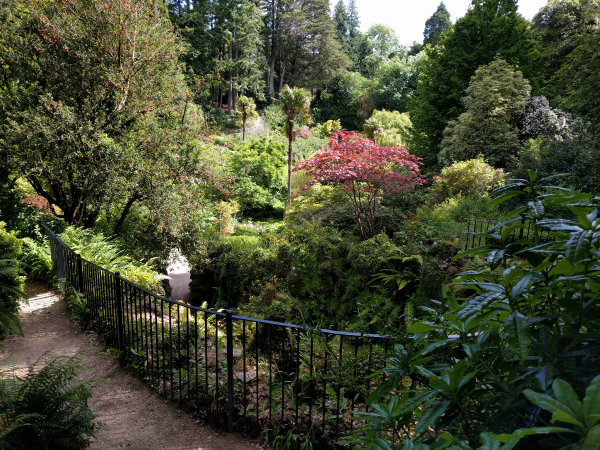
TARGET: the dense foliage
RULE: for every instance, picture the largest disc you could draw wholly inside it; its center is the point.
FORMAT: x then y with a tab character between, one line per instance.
11	282
365	172
46	407
484	359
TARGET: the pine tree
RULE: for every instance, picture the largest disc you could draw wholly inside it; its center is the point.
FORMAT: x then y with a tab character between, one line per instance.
353	19
340	18
436	25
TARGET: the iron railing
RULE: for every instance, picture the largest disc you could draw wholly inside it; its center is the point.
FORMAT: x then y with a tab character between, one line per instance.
241	372
522	230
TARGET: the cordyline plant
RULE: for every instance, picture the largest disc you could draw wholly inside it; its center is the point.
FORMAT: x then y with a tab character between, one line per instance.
364	171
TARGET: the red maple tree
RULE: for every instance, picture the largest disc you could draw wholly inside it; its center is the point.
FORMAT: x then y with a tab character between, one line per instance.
366	172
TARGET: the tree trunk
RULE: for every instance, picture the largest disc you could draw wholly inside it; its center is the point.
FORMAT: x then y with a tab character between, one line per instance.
281	79
128	205
290	152
244	128
230	89
272	72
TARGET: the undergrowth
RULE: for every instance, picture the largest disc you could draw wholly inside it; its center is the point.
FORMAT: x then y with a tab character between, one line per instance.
47	407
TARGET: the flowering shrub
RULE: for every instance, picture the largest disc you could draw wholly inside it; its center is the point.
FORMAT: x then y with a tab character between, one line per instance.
366	172
466	178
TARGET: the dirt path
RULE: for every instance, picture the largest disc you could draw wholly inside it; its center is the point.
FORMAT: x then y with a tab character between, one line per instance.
133	416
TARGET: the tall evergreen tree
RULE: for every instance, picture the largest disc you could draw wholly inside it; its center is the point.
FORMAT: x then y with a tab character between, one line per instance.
353	19
436	25
490	28
340	17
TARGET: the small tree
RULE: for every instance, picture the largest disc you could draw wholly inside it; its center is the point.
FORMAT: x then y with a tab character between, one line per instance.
247	107
365	172
295	102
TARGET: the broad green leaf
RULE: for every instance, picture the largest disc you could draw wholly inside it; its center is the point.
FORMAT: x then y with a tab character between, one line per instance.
544	401
431	415
476	304
521	286
431	347
536	208
504	197
518	334
420	327
532	175
564	393
532	431
494	258
476	251
591	401
563	416
579	246
592	440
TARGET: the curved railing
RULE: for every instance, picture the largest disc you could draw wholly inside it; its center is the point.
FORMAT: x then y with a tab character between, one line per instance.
240	372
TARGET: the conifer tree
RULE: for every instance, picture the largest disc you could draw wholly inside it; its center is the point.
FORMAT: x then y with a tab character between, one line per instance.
436	25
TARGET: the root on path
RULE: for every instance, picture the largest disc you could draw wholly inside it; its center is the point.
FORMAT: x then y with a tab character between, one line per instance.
133	416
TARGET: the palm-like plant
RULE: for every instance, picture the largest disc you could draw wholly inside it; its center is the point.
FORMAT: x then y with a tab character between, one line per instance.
247	107
295	102
373	129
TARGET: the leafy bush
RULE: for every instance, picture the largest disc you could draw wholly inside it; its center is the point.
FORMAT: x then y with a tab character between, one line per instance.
262	161
516	336
315	274
224	120
323	130
395	128
46	408
448	220
36	259
304	148
275	118
104	252
11	282
465	178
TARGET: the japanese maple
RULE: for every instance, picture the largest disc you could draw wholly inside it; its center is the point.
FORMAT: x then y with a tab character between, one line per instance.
366	172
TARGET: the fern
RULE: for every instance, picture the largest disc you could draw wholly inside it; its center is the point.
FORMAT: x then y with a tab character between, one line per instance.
11	290
104	252
37	260
47	408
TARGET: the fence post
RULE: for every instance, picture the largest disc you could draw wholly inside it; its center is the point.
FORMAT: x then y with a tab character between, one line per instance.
119	311
229	333
80	274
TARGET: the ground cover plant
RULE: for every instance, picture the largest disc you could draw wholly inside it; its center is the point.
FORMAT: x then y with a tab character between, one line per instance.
46	407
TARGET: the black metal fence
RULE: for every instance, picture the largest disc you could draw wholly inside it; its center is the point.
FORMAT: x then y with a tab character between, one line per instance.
521	229
240	372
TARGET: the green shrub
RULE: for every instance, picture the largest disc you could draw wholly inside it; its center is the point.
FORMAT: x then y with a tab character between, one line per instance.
323	130
466	178
303	148
275	118
259	167
224	120
395	128
36	259
510	352
11	282
448	220
47	408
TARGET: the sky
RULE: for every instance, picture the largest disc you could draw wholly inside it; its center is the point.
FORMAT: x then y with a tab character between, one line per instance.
408	17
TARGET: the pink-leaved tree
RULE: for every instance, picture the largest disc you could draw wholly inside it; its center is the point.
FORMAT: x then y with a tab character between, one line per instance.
366	172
